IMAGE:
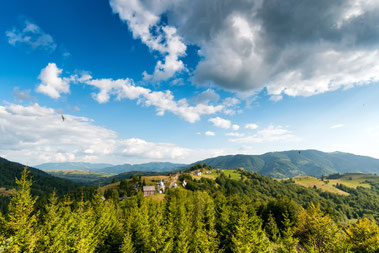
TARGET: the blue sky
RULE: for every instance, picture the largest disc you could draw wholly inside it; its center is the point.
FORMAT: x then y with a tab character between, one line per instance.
180	81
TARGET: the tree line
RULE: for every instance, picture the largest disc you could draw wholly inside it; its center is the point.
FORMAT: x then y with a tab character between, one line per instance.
217	218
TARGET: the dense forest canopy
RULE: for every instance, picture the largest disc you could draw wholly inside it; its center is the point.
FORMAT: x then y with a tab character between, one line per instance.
253	214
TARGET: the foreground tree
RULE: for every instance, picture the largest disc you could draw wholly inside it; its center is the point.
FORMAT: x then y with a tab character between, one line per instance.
318	232
21	225
363	236
248	235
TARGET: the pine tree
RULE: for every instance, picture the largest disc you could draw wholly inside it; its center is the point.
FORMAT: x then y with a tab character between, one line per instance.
271	228
248	235
83	232
127	244
55	230
288	243
21	221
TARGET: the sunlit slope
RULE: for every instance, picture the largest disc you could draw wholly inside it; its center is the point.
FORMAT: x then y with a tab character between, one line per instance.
297	163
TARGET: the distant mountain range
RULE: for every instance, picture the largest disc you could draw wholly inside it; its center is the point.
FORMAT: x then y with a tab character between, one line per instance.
274	164
151	167
297	163
73	166
109	168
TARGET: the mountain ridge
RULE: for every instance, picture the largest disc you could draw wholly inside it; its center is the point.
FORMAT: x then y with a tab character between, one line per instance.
296	163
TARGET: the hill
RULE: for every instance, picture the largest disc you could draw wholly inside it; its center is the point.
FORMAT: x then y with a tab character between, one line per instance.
72	166
297	163
151	167
80	176
42	182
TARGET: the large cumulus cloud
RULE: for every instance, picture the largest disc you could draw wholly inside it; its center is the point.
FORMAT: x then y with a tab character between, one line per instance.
290	47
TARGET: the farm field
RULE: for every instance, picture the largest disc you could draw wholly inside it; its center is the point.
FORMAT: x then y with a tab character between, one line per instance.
213	175
350	180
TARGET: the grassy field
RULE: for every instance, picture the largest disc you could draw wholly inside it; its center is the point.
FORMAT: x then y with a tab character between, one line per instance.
156	197
213	175
312	181
355	180
350	180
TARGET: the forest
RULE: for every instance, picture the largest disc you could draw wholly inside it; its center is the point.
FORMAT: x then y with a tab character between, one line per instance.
253	214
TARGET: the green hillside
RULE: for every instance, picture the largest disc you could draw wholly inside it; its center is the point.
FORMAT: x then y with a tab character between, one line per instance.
42	182
81	176
297	163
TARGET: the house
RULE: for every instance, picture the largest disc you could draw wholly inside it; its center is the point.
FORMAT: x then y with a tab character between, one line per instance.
184	183
165	180
208	172
174	185
161	187
148	190
197	173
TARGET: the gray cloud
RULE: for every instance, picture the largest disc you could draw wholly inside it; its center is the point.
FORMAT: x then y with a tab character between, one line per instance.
290	47
22	95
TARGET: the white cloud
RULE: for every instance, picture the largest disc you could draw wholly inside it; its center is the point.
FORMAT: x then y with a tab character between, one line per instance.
269	134
251	126
162	101
121	88
235	127
235	134
35	134
337	126
209	133
144	24
220	122
32	36
51	83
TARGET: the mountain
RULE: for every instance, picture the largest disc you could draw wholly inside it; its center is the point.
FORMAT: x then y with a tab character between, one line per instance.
297	163
43	183
72	166
80	176
151	167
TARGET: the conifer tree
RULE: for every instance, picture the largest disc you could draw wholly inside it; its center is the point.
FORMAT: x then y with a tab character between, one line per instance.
288	243
271	228
84	231
127	244
55	229
140	226
248	235
21	221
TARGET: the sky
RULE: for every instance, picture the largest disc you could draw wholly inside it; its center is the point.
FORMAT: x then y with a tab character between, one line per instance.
176	80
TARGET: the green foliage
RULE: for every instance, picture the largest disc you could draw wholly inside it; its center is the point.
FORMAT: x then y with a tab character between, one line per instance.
363	236
222	215
21	224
